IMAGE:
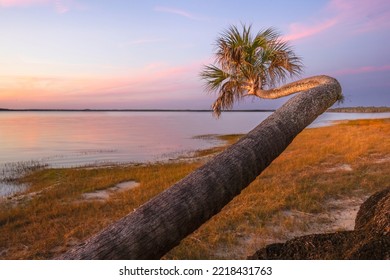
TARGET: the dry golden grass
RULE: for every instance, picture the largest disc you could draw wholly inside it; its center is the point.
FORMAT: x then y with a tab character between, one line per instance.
58	217
303	178
350	158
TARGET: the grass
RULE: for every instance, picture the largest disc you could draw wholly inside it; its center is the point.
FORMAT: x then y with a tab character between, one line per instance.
51	216
11	172
228	139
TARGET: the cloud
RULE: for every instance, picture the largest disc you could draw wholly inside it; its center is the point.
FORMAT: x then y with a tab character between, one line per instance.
362	69
299	31
23	3
362	15
176	12
350	16
152	83
60	6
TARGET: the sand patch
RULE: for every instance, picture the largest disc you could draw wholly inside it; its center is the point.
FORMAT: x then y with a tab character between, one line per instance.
340	167
17	198
339	216
106	193
382	160
343	213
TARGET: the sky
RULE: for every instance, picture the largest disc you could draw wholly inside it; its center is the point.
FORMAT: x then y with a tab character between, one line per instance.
101	54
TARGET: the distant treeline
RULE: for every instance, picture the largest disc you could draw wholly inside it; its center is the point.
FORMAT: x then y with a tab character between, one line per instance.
337	110
360	109
123	110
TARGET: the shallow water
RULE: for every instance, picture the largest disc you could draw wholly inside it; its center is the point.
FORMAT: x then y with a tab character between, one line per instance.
8	189
64	139
77	138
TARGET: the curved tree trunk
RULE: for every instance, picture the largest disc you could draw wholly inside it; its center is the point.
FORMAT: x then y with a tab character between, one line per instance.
291	88
160	224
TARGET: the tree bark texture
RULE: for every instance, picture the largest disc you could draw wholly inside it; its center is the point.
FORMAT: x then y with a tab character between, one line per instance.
156	227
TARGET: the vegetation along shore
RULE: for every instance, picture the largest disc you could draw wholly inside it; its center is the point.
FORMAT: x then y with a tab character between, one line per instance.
321	168
360	109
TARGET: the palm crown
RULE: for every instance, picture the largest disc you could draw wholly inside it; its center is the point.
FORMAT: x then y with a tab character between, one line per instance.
246	64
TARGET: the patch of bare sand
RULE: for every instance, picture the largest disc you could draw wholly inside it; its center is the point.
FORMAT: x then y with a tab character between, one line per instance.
340	216
340	167
16	199
382	160
106	193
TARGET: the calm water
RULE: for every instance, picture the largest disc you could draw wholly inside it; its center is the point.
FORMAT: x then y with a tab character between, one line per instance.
77	138
64	139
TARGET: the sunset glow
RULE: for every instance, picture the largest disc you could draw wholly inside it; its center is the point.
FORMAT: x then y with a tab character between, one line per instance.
79	54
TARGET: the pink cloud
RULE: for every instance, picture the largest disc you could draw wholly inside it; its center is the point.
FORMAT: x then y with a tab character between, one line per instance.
362	15
299	31
60	6
350	16
154	79
363	69
154	82
22	3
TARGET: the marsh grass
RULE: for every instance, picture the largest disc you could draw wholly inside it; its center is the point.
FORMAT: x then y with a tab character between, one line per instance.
51	217
227	139
11	172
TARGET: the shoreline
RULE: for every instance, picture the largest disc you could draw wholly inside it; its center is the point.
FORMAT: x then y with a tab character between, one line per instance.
190	156
360	109
130	143
172	156
356	109
128	110
295	191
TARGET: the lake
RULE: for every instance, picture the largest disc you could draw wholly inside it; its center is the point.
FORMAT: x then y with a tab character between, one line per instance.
65	139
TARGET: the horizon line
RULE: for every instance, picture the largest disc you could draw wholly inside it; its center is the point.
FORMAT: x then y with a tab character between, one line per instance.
131	110
166	110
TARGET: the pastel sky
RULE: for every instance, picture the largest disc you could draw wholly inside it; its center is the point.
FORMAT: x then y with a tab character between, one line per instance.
102	54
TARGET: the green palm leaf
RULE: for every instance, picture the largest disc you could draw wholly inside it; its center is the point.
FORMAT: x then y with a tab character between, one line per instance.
245	63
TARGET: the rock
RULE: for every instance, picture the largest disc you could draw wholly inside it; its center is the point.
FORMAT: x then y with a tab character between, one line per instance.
374	213
370	238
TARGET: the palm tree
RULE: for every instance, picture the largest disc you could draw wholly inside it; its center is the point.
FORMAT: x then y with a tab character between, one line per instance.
249	65
160	224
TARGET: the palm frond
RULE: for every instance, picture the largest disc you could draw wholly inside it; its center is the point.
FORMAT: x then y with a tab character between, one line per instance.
214	77
244	63
226	98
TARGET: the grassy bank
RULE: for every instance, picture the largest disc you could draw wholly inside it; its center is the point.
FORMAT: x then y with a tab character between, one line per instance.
360	109
348	159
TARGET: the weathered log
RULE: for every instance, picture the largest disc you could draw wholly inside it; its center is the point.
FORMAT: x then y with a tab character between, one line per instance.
160	224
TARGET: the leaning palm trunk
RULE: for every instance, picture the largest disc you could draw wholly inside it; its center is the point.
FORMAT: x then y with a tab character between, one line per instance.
160	224
290	88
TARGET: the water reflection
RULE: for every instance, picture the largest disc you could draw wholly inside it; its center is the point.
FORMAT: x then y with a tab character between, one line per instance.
78	138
